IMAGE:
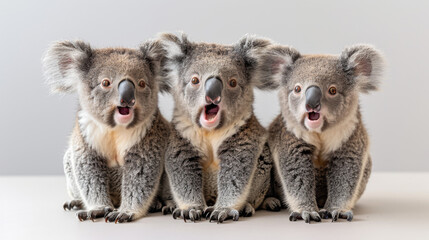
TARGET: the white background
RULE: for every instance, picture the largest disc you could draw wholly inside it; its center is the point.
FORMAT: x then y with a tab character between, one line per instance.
34	126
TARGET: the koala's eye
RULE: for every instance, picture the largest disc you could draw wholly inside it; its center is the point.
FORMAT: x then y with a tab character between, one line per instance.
233	83
297	89
142	84
195	80
105	83
332	90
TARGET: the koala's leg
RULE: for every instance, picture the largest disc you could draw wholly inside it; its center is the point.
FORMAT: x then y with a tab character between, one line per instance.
347	174
91	177
164	199
76	203
293	160
185	175
321	186
238	161
165	195
115	185
365	177
140	181
262	195
274	200
161	196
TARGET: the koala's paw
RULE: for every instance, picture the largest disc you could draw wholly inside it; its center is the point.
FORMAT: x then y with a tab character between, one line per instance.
156	206
220	214
169	207
191	213
247	210
307	216
335	214
73	205
93	213
119	216
272	204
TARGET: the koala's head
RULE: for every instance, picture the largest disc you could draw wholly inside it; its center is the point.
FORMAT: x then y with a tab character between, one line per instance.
116	86
213	83
320	91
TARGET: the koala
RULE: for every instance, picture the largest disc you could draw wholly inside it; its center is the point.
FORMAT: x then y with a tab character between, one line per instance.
115	157
319	143
218	155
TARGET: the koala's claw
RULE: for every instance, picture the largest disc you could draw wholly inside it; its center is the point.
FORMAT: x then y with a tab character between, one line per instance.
307	216
93	214
247	210
222	214
82	216
324	214
193	213
272	204
336	213
118	217
168	208
208	211
73	205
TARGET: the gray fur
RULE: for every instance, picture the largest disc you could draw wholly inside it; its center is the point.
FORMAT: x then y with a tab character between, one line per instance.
228	165
323	169
111	164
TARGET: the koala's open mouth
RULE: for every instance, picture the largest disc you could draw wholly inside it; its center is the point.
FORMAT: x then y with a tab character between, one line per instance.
313	116
211	111
210	116
313	120
124	110
124	115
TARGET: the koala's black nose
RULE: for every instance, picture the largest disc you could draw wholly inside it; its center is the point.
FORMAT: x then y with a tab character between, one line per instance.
213	89
126	91
313	95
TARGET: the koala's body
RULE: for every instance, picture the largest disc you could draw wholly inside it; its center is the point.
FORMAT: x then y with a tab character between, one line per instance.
115	157
319	144
218	152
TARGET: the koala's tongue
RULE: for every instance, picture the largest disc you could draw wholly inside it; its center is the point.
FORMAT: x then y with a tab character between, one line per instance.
124	110
313	116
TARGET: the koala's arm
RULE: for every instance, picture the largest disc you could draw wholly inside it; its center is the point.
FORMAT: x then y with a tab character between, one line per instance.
91	174
182	164
293	161
238	161
142	172
345	173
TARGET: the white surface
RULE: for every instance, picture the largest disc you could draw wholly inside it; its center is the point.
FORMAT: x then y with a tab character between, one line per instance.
394	206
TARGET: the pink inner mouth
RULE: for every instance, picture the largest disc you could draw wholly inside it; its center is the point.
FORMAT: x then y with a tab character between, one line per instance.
124	110
313	116
210	117
211	111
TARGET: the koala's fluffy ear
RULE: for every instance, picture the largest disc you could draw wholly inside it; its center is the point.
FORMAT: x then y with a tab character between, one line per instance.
268	62
154	53
64	63
274	64
176	46
251	47
364	65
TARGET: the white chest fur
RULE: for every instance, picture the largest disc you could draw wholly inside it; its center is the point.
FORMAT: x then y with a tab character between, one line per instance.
111	143
329	140
206	141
